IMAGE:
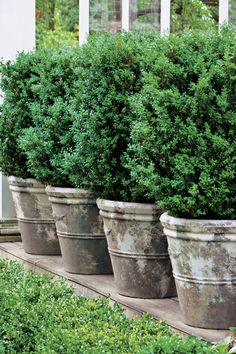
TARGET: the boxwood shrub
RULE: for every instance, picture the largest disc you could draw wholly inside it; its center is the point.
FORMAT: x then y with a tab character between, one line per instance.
17	81
103	124
53	113
43	315
182	152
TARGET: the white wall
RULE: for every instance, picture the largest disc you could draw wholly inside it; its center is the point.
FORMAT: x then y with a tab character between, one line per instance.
17	33
17	27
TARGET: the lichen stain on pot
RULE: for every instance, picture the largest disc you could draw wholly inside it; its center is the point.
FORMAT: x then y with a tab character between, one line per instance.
129	236
141	278
80	231
206	265
32	206
34	214
207	307
68	218
194	258
138	249
203	257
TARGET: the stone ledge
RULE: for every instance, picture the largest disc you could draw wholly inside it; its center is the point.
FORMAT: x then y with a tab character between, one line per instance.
9	230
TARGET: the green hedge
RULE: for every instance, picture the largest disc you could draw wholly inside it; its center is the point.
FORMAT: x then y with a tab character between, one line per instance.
182	152
133	117
53	113
17	82
43	315
81	114
103	125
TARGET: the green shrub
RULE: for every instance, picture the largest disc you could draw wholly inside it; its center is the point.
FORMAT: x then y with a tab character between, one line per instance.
45	143
42	315
183	149
172	345
17	81
102	127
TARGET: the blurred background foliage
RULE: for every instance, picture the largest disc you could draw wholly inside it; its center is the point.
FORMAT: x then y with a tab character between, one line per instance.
58	20
195	14
57	23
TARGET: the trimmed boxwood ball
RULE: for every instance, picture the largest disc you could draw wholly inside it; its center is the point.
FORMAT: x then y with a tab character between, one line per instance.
183	148
53	113
18	80
103	124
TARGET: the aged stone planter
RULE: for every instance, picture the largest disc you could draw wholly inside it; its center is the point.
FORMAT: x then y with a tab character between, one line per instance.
80	231
203	256
34	215
138	249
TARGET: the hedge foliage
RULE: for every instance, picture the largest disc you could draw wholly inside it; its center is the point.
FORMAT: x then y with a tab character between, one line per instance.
103	125
53	113
81	118
133	117
17	81
182	152
42	315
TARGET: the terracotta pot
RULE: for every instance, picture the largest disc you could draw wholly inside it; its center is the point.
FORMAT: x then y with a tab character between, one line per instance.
138	249
80	231
203	256
34	215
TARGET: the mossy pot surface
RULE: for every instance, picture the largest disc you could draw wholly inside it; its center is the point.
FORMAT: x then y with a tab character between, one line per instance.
138	249
80	231
203	256
34	215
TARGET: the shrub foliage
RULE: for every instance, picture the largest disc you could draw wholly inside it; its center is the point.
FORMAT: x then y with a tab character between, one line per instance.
53	113
17	81
102	127
41	315
133	117
183	149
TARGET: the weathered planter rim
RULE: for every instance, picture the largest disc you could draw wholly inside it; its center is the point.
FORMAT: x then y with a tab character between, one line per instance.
128	210
213	229
64	195
25	182
30	185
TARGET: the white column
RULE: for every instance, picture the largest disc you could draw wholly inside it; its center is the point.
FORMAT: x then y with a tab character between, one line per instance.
125	14
223	12
17	33
165	17
83	21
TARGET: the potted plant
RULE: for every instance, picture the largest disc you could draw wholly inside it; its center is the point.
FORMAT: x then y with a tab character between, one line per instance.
33	210
136	243
79	227
182	154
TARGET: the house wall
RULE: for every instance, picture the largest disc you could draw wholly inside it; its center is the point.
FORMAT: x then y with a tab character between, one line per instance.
17	33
